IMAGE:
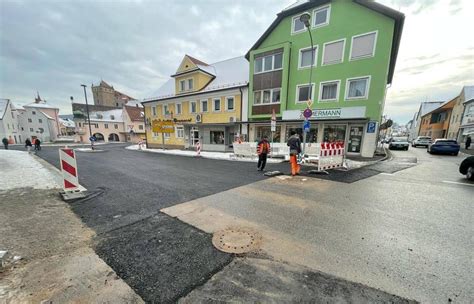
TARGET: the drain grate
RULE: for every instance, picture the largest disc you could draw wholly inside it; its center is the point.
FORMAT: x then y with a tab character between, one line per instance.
237	240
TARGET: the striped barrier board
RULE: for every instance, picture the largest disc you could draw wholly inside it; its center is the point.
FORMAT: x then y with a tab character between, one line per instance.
331	156
71	187
198	148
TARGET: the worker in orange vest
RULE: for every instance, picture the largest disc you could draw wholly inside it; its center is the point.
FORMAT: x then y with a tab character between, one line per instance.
294	143
263	149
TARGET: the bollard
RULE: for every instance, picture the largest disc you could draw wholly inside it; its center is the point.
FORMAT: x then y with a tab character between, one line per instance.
71	187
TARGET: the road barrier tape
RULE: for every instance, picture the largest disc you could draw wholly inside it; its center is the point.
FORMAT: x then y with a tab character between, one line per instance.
198	148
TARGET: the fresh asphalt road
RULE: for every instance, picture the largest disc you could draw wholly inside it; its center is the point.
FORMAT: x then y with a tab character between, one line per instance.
407	232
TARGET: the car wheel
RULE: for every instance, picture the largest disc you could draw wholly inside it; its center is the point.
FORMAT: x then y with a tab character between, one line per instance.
414	146
470	173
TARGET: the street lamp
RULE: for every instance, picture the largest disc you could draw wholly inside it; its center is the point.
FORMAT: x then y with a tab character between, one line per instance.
88	117
305	19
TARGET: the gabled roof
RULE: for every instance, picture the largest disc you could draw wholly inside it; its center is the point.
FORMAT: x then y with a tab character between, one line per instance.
196	61
3	107
40	104
230	73
135	113
303	5
426	107
468	93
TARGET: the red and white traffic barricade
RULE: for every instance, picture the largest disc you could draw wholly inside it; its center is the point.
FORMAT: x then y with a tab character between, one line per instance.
198	148
331	156
71	187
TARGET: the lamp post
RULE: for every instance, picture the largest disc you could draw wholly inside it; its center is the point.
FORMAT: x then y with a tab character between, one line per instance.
88	117
305	18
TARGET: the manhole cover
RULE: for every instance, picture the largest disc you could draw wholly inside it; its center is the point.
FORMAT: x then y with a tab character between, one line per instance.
236	240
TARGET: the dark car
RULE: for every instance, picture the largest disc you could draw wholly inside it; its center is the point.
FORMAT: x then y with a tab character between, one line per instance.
399	143
444	146
467	168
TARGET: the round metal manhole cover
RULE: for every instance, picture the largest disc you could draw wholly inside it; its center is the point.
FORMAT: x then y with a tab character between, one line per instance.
237	240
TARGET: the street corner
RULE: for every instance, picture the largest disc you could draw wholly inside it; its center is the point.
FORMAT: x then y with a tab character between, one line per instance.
263	281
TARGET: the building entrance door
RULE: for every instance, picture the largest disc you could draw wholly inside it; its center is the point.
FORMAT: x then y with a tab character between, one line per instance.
194	136
355	139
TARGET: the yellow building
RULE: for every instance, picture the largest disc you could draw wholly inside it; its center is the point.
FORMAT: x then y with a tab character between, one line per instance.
201	102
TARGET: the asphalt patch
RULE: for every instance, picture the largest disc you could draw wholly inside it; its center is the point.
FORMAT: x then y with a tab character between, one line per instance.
250	280
161	258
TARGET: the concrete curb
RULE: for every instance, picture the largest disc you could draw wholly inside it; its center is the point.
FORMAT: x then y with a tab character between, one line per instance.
57	173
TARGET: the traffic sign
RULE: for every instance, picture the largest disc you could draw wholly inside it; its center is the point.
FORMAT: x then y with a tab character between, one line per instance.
273	126
306	125
307	113
92	138
371	126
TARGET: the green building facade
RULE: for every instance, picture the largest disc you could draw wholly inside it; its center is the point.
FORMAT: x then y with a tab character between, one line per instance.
355	50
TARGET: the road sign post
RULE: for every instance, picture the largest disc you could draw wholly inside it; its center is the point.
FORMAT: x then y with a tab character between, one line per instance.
272	129
306	125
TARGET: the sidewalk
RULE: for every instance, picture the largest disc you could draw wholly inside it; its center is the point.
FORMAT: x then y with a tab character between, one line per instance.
49	256
468	152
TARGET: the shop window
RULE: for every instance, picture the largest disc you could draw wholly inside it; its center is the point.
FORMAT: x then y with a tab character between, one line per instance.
336	133
261	131
217	137
311	136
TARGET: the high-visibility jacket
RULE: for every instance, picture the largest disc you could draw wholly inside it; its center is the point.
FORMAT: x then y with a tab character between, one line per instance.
263	147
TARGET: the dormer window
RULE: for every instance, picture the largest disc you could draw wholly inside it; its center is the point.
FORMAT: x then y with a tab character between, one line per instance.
190	84
182	85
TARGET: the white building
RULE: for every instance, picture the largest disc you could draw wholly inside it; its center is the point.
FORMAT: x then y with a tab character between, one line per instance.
106	126
467	122
9	126
39	120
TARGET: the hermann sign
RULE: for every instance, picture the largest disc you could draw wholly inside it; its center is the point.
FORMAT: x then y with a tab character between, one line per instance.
333	113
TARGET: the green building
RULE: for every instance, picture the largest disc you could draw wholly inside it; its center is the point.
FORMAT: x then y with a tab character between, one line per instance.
355	50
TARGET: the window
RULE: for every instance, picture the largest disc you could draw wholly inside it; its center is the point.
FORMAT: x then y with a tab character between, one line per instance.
329	91
334	133
166	109
179	109
204	106
217	137
31	129
182	85
8	126
230	103
357	88
79	124
304	92
262	131
166	135
112	117
217	105
190	84
321	16
140	127
180	132
268	63
29	120
116	126
267	96
40	120
333	52
297	25
153	109
106	126
306	59
311	136
192	108
363	46
33	112
155	134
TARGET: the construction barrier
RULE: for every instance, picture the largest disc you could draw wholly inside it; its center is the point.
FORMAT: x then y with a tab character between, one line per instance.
245	149
198	148
71	187
331	156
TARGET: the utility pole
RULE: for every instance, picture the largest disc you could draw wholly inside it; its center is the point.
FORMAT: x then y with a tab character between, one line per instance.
88	117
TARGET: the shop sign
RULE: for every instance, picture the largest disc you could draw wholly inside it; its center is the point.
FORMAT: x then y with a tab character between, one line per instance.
162	126
342	113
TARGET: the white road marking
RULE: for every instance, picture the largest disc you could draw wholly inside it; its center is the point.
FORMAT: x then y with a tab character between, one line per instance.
458	183
388	174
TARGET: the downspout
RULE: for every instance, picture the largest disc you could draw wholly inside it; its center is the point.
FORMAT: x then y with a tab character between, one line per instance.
241	106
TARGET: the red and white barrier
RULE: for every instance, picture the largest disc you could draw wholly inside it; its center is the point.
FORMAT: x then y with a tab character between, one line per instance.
198	148
71	186
331	156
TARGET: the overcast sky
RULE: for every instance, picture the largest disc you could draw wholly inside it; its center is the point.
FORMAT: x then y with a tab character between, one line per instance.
54	46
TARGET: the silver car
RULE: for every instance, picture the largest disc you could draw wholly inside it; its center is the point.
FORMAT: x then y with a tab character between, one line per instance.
424	141
398	143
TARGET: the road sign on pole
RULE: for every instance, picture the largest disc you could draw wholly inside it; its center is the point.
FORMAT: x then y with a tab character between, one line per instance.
306	125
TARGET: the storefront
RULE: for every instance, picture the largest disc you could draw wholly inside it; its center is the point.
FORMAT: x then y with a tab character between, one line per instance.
350	127
212	137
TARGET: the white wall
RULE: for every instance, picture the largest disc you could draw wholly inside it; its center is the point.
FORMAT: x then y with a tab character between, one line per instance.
9	127
46	124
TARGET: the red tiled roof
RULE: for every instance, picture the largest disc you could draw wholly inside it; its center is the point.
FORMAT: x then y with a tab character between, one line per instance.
135	113
196	61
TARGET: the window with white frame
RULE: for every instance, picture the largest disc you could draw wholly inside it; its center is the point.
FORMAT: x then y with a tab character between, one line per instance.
333	52
308	57
363	46
230	103
155	134
329	90
40	120
357	88
106	126
268	63
321	16
31	129
304	92
217	105
192	107
190	84
166	135
29	120
204	107
166	109
267	96
179	132
297	26
179	108
182	85
153	110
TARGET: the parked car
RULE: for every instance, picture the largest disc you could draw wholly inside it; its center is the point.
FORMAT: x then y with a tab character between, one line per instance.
399	143
467	168
424	141
444	146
